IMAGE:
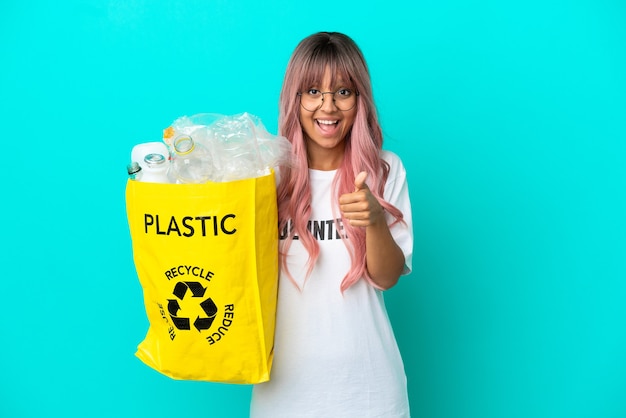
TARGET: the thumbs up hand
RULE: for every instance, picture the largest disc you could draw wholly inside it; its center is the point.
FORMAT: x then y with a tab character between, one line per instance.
360	207
359	181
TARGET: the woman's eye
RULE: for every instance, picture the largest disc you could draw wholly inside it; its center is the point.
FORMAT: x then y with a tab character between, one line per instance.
313	92
344	92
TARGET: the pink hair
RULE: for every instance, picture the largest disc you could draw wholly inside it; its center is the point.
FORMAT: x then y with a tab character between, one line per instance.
363	143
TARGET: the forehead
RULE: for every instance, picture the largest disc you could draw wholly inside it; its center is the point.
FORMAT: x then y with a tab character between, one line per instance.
331	81
327	75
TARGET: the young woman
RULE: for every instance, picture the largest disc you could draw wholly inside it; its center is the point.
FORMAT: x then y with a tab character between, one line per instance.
346	235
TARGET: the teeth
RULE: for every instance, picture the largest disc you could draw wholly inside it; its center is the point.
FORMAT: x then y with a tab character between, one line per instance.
327	122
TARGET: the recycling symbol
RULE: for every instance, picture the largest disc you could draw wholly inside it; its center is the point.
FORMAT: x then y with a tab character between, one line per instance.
207	306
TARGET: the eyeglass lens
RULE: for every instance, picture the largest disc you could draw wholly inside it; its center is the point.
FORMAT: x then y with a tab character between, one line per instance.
312	100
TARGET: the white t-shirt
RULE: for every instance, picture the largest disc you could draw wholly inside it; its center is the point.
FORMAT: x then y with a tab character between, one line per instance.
335	355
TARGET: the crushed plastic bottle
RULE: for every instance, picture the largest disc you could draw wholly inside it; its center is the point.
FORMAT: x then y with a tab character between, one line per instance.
237	146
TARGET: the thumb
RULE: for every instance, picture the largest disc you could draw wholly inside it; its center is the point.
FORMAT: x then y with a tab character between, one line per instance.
359	181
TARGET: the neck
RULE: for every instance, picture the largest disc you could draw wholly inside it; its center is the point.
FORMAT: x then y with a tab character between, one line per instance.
325	159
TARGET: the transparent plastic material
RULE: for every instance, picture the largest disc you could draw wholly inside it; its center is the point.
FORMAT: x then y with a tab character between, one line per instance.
218	148
191	161
211	147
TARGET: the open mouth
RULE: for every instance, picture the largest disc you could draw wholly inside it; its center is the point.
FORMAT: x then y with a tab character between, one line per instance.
327	127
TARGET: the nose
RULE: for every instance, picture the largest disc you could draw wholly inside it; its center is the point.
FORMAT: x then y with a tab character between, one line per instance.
328	103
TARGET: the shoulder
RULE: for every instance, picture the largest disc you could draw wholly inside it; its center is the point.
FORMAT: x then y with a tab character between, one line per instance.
396	184
396	167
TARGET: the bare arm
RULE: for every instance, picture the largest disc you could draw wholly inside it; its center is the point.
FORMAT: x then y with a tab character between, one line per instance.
385	260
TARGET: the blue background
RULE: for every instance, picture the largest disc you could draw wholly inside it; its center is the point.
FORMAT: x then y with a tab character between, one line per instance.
510	118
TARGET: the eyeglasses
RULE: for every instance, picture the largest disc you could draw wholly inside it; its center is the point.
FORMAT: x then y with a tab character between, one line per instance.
343	99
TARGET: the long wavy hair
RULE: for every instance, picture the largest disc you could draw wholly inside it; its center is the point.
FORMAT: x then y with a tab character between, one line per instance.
363	143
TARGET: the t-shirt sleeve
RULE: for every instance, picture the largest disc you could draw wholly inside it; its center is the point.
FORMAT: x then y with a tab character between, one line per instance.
397	193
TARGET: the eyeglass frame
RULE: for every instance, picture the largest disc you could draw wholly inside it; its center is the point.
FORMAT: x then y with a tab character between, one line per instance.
356	93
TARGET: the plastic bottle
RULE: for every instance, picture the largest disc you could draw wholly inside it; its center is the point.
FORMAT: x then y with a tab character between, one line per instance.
156	168
134	171
139	151
191	161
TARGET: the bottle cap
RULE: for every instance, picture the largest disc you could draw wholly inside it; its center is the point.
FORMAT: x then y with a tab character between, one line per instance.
154	160
133	168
